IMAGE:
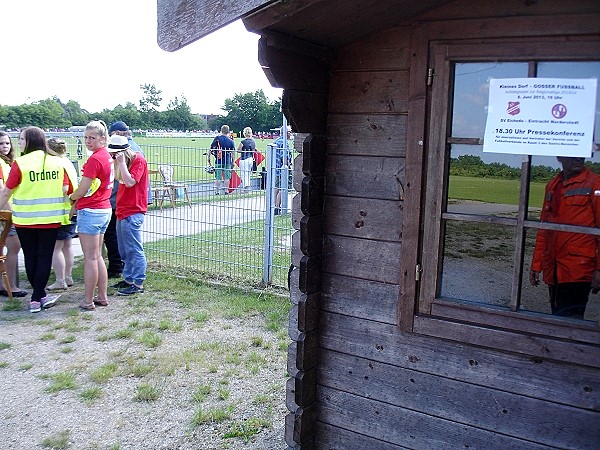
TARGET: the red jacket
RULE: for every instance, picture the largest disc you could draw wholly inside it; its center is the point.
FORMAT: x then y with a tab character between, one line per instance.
569	257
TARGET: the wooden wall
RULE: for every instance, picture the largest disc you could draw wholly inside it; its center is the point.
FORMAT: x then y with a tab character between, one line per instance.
378	387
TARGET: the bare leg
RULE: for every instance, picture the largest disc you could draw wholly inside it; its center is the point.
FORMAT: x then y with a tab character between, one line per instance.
94	268
12	260
69	256
58	260
102	276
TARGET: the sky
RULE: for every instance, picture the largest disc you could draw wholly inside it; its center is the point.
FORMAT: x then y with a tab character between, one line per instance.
98	53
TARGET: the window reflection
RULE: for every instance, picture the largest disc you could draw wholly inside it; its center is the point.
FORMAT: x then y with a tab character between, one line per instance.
483	183
483	199
471	92
540	298
478	262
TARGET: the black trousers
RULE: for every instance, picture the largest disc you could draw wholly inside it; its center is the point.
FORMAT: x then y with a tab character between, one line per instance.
115	264
569	299
38	246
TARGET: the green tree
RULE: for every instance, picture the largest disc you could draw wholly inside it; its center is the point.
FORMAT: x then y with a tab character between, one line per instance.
179	116
149	104
74	113
252	109
128	114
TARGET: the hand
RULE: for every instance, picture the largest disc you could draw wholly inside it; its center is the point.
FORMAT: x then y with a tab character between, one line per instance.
120	157
534	278
596	282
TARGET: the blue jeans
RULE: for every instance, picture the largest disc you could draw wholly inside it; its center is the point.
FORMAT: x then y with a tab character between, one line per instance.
129	239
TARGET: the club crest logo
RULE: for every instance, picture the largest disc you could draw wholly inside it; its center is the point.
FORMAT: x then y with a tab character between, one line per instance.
513	108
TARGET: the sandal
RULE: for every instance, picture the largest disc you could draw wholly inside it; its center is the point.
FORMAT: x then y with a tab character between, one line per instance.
87	306
100	303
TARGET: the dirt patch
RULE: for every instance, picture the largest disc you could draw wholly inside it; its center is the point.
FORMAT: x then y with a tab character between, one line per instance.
231	368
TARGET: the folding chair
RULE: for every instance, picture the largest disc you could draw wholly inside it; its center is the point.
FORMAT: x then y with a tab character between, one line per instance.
169	187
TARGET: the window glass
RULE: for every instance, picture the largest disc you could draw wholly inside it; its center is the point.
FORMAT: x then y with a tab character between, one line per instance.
478	262
574	69
471	92
480	227
483	183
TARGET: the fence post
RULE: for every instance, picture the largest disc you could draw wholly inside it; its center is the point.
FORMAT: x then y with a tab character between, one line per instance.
269	217
285	169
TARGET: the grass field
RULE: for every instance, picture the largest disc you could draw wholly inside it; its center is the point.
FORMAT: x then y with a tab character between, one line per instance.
493	190
186	155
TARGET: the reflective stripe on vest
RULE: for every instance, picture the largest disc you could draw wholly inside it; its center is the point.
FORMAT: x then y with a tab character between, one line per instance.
39	198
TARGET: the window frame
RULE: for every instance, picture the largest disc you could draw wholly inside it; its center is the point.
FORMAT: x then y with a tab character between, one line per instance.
520	331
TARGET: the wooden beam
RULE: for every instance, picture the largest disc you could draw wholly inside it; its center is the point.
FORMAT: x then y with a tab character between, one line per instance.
181	22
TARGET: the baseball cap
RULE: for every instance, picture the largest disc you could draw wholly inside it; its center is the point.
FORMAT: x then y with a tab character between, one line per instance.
118	126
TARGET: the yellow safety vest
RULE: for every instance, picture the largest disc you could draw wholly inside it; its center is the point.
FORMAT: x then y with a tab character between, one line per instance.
72	174
39	198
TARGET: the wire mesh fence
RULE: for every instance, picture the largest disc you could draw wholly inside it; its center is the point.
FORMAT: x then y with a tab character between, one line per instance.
192	231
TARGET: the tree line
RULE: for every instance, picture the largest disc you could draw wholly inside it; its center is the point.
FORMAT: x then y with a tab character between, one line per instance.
473	166
252	109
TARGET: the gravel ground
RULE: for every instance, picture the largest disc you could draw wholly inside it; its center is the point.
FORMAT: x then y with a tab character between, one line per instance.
240	362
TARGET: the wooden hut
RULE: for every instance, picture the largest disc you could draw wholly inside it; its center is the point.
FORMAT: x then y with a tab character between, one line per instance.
388	352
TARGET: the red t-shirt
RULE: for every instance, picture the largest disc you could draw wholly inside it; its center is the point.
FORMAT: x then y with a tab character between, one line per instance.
134	199
99	165
14	180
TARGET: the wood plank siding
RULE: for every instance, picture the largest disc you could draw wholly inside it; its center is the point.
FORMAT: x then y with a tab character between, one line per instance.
447	386
370	367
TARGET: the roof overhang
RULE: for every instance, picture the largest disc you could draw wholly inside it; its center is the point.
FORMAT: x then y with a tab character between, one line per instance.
181	22
330	23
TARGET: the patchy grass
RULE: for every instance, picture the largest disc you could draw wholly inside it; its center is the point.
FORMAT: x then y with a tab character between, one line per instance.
61	381
104	373
228	337
58	441
145	392
211	415
91	394
150	339
245	429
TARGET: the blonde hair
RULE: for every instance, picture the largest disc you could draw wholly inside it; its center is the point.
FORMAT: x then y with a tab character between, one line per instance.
99	127
57	146
247	132
129	156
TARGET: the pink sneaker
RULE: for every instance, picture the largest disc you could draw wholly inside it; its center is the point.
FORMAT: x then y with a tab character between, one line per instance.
35	307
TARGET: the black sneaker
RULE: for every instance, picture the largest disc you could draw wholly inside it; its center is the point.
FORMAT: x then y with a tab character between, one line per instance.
130	290
121	285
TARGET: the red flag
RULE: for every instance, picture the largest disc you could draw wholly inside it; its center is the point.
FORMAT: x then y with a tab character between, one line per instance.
258	157
234	181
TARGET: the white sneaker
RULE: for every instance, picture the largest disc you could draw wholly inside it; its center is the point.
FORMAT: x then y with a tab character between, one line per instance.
58	285
49	301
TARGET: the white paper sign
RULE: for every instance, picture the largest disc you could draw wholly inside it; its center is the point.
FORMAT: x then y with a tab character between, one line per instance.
541	116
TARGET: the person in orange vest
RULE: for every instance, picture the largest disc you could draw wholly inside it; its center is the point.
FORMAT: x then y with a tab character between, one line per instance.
569	261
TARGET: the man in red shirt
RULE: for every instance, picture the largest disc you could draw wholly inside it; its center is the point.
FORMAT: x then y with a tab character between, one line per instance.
569	261
131	170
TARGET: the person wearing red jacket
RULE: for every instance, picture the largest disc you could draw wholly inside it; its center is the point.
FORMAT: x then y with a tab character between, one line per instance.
569	261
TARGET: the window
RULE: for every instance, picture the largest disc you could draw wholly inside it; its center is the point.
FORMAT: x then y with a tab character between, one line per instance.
482	210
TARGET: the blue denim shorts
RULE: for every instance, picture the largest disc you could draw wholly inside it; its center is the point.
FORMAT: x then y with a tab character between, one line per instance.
93	222
66	232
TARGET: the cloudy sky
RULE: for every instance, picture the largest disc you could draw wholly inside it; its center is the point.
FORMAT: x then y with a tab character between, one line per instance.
99	53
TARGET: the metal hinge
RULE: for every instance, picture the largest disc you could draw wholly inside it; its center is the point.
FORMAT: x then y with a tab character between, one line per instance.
430	77
418	272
